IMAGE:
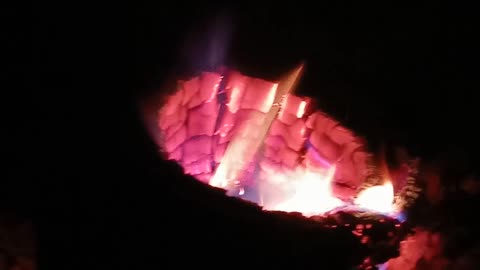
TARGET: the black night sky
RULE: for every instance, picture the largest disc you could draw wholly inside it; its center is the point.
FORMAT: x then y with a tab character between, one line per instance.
80	164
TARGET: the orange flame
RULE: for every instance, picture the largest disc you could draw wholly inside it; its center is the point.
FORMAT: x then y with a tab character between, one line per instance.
377	198
300	190
311	194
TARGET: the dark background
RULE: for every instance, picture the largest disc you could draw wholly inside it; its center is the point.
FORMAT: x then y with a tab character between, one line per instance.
79	162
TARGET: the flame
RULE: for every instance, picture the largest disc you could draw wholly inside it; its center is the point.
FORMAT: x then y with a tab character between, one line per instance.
311	195
241	150
309	192
300	190
301	109
247	143
377	198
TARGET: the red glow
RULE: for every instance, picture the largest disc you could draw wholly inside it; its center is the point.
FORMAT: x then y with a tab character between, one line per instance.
259	136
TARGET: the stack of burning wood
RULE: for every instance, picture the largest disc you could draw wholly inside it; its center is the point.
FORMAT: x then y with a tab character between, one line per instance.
246	135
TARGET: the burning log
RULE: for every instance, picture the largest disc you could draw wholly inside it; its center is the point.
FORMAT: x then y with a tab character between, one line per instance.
188	122
238	133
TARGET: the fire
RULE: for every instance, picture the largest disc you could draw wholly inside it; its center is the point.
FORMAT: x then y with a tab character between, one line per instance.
377	198
248	142
257	140
241	150
311	194
300	190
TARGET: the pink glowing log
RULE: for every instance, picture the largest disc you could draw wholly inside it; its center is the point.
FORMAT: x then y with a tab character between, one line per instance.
206	112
